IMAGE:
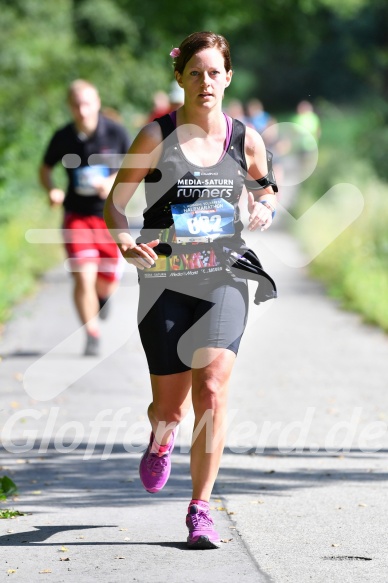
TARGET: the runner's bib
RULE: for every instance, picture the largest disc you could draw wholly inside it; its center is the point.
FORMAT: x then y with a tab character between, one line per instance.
203	221
86	176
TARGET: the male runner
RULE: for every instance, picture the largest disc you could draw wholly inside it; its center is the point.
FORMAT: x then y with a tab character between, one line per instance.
88	149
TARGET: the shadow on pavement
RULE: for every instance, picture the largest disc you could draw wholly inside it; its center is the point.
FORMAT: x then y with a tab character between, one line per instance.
42	533
67	480
23	354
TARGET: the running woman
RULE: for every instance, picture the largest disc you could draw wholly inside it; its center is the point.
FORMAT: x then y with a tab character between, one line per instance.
192	310
87	147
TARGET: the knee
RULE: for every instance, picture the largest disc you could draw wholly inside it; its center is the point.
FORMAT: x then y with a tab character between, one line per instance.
81	281
84	280
210	394
167	415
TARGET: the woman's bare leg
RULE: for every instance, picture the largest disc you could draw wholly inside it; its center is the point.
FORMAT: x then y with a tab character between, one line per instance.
171	402
209	394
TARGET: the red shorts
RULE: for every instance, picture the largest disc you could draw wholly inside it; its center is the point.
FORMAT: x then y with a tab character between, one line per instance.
87	240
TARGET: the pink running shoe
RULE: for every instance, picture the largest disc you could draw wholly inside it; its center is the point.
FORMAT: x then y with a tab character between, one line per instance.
155	469
201	529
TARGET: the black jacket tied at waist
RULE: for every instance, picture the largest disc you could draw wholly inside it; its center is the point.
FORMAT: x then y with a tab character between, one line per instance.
239	261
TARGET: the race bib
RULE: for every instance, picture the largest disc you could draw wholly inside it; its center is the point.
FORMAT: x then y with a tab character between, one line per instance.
203	220
85	178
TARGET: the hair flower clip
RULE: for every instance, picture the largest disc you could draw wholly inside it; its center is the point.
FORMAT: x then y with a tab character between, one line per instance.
175	53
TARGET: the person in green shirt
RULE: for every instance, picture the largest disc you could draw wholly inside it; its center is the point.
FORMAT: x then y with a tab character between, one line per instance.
308	120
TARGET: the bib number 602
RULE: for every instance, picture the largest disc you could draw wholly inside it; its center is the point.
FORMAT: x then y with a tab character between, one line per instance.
204	224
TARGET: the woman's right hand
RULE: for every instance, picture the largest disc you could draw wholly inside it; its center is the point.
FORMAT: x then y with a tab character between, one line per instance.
141	256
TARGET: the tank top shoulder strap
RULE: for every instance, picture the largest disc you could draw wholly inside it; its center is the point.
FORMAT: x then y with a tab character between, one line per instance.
238	142
166	124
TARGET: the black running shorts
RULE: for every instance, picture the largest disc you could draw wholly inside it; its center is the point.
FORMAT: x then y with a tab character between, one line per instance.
173	323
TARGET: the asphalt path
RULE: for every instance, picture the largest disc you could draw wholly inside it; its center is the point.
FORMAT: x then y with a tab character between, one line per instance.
301	495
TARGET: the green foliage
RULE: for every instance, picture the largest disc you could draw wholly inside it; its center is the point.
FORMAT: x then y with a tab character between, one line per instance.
281	51
375	143
10	513
7	487
21	263
337	146
372	138
355	265
102	22
346	8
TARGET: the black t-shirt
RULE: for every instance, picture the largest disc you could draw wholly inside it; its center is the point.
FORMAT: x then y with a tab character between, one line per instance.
85	159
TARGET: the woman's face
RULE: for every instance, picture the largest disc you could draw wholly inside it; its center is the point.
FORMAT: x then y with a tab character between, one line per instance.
204	78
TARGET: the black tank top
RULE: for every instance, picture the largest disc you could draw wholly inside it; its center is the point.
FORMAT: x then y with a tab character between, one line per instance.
176	180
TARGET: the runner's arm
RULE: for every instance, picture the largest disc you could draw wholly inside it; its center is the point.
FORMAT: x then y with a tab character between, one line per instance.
56	195
256	156
141	158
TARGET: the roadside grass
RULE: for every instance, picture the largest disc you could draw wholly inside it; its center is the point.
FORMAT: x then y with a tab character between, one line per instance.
8	488
355	265
22	263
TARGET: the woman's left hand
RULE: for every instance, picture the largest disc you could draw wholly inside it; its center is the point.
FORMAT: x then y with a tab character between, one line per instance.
259	214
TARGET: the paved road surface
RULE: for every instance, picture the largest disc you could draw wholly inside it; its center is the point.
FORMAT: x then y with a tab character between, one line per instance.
301	495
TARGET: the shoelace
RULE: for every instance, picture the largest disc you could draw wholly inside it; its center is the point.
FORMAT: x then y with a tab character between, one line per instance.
201	519
156	464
